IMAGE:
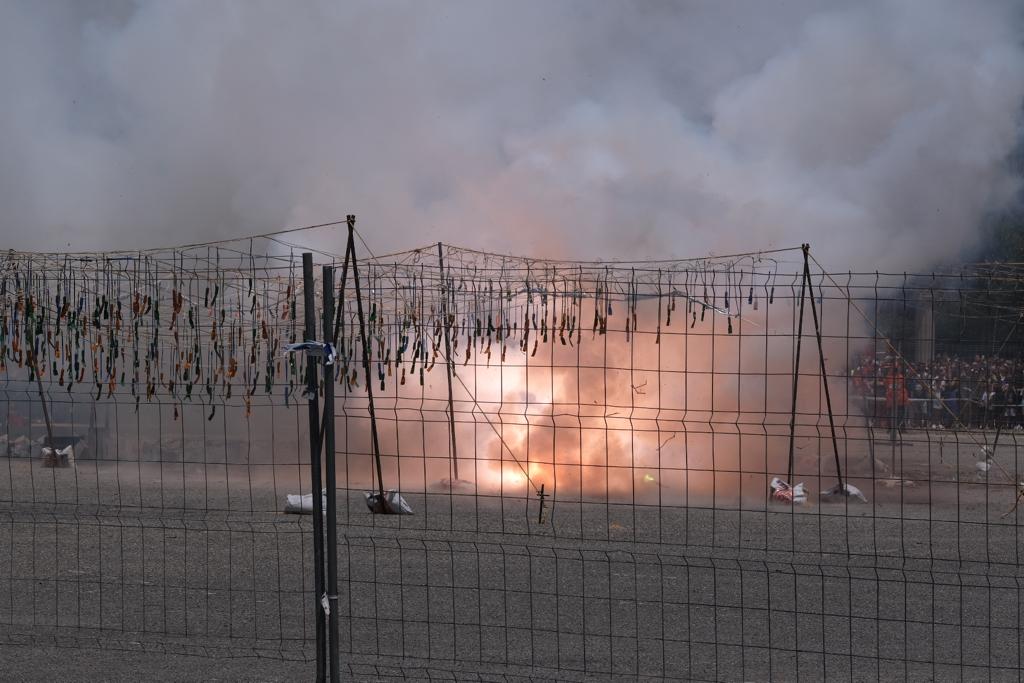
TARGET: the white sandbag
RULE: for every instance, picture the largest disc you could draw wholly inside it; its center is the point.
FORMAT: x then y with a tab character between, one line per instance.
848	491
784	493
302	504
62	457
391	504
21	447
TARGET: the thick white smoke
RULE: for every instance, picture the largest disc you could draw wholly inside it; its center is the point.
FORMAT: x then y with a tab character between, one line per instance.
875	130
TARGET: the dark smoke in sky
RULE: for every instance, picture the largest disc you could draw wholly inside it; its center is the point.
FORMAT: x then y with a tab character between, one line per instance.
876	130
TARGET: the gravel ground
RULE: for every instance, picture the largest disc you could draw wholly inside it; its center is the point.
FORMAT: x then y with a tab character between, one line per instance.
71	663
130	573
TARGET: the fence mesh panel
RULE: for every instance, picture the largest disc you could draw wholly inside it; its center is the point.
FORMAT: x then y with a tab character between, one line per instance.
714	469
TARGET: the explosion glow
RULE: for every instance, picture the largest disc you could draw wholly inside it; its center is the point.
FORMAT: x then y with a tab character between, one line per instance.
647	406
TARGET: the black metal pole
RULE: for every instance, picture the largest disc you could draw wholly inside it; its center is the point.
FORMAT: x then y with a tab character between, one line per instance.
339	315
893	426
454	452
42	400
332	500
309	306
351	251
824	374
796	380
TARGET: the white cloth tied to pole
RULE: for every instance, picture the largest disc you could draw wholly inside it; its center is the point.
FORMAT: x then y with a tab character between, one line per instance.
323	350
326	604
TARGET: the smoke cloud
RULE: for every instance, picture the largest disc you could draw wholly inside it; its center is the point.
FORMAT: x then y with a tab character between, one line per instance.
878	131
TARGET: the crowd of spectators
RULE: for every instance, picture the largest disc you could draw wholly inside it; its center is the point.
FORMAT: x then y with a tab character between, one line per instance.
950	391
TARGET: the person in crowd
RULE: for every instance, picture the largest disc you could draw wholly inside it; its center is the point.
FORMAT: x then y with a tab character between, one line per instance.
975	392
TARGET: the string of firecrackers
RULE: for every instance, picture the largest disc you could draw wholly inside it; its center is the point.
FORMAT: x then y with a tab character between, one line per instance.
147	328
492	308
187	327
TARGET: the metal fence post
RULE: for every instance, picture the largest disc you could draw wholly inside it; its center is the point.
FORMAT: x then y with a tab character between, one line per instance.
329	455
309	305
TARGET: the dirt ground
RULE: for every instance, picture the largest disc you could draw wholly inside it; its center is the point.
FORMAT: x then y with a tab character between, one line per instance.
187	571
